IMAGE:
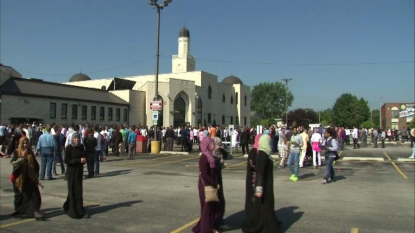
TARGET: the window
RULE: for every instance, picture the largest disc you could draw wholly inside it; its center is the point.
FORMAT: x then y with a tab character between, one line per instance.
110	114
74	111
245	121
223	119
125	115
246	100
83	112
64	111
231	99
395	113
117	114
52	113
236	99
231	120
209	118
237	120
101	113
209	93
93	113
223	98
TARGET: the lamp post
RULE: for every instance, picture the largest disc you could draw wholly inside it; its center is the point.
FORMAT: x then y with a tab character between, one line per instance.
155	144
286	99
158	7
380	112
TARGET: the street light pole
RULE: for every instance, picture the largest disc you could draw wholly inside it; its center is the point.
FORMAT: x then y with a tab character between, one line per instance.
380	112
286	99
159	7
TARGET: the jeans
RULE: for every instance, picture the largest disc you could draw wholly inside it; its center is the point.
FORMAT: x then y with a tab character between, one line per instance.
329	168
131	150
46	162
97	158
294	158
59	157
341	144
90	164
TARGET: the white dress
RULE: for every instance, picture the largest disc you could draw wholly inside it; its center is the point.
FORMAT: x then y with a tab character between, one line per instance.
234	136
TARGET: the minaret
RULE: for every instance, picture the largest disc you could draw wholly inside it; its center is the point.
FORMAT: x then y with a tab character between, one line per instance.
183	61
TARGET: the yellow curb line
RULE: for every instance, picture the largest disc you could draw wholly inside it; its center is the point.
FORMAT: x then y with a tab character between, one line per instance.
180	229
396	166
17	223
355	230
152	165
235	164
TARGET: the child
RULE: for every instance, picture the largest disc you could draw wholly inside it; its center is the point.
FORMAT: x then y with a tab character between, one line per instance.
283	151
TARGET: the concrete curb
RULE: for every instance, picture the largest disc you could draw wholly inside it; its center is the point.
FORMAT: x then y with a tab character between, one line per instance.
405	160
363	159
174	153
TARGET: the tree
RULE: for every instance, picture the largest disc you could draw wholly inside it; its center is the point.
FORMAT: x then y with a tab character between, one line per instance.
349	111
268	100
326	116
375	117
367	124
302	117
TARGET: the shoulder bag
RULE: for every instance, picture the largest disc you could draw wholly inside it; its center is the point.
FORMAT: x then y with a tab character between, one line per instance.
211	193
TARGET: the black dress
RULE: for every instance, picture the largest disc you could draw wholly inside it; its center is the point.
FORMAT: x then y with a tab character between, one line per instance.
259	212
74	206
221	204
28	200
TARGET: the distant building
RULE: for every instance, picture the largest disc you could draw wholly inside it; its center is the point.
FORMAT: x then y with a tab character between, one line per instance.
397	115
188	97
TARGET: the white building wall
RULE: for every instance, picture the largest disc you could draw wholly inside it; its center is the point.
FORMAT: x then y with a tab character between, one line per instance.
137	100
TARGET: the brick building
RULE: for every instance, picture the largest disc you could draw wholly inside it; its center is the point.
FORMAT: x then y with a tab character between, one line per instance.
397	115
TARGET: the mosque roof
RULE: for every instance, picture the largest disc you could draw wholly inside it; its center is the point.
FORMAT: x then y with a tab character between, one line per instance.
231	80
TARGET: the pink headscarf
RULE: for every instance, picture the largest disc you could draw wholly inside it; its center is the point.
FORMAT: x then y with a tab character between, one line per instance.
256	144
206	146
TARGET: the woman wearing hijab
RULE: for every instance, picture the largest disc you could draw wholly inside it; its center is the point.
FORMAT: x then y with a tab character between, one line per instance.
75	158
219	164
259	201
208	176
27	197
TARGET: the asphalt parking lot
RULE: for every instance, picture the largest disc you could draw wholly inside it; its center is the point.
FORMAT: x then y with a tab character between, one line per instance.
158	193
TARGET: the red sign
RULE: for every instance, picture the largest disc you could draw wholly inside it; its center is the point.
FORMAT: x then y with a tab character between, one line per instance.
156	105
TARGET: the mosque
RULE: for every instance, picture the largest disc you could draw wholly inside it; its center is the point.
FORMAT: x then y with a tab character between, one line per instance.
188	97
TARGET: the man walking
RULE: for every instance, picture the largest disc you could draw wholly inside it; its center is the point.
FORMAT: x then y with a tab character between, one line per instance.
131	140
47	148
169	138
355	136
296	144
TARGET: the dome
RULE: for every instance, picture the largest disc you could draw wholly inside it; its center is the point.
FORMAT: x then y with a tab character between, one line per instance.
79	77
231	80
184	32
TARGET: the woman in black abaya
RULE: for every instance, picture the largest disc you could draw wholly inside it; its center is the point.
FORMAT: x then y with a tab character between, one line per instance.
259	202
75	159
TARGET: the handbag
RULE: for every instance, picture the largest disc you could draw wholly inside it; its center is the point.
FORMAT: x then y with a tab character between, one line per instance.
12	178
211	193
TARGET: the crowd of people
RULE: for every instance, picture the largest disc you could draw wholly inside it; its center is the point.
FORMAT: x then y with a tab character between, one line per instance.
89	144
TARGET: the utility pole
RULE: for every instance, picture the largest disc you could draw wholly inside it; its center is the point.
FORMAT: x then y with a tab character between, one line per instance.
380	112
286	99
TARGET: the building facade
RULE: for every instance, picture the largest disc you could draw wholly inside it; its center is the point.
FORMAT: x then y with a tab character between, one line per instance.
397	115
189	97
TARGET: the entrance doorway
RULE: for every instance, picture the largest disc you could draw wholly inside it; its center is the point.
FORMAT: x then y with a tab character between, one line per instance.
179	112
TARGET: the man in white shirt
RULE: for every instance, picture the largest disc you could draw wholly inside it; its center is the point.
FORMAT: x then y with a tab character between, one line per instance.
355	136
98	153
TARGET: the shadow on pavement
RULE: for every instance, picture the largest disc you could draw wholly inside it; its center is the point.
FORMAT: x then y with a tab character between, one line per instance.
113	173
285	215
305	176
288	217
7	216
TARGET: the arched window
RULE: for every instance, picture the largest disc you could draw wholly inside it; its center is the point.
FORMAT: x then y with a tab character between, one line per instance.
223	98
231	99
209	92
236	98
246	100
